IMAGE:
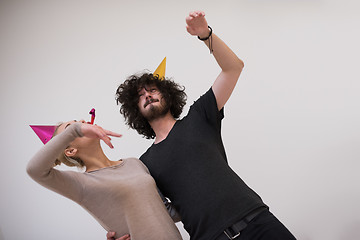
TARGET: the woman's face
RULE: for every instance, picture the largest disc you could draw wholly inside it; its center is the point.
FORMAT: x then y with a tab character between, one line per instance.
78	142
81	143
64	125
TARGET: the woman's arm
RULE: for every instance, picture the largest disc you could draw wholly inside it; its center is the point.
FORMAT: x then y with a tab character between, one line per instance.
41	166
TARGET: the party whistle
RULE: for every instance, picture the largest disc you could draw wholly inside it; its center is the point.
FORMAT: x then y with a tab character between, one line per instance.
92	112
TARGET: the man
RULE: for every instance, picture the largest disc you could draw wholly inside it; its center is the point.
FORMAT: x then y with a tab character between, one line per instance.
188	159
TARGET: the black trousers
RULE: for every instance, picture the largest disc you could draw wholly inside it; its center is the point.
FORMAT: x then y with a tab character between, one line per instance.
265	226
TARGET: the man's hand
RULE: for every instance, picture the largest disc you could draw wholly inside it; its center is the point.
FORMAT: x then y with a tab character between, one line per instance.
197	24
111	236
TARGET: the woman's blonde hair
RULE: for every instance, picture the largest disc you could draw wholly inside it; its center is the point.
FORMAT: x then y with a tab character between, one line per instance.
68	161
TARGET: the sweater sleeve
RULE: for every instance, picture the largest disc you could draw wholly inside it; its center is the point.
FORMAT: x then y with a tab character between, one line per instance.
41	166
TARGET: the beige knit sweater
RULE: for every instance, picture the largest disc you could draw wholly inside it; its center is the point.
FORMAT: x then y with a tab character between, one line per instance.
122	198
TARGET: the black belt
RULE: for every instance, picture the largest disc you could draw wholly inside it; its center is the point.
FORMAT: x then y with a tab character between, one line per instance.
234	230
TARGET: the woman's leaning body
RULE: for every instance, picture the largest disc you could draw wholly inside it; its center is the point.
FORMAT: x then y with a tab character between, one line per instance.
121	195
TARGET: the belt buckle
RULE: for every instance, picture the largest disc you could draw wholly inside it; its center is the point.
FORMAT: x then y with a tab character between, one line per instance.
231	237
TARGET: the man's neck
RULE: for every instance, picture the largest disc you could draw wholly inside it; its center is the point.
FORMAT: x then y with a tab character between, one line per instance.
162	126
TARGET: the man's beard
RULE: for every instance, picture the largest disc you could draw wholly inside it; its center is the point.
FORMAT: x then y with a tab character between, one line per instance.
155	112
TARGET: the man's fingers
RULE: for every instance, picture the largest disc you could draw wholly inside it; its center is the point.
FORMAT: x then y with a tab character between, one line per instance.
192	14
125	237
110	235
195	14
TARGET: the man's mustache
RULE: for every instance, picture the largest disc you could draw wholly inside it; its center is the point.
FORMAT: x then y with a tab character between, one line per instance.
151	100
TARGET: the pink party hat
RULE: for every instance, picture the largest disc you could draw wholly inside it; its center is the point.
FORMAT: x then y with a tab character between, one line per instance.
44	132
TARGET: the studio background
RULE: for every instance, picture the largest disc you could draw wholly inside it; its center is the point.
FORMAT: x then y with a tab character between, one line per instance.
291	127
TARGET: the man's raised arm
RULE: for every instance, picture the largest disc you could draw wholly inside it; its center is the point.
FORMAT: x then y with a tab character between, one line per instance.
231	66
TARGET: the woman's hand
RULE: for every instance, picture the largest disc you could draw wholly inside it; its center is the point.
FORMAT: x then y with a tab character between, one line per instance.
95	131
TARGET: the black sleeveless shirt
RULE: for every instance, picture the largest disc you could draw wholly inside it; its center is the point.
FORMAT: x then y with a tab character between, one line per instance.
191	169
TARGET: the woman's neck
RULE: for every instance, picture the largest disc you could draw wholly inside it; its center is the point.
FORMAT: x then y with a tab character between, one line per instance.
96	159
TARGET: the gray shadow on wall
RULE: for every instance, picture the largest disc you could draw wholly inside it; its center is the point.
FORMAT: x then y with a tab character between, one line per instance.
352	232
1	235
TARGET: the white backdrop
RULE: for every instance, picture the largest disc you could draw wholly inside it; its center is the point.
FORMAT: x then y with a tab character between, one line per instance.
292	124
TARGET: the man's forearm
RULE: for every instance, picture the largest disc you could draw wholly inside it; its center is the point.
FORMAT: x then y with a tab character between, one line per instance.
231	67
224	56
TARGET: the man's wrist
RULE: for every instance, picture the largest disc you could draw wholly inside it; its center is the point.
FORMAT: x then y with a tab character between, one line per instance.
206	35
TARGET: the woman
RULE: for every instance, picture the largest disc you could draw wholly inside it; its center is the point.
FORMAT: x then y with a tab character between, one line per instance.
120	195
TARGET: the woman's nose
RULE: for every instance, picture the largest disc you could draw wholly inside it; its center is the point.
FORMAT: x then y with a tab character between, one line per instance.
82	121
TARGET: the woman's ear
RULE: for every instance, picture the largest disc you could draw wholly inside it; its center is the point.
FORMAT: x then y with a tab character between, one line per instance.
70	152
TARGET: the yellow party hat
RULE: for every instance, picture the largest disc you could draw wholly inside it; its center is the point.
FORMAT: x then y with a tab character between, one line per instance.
160	71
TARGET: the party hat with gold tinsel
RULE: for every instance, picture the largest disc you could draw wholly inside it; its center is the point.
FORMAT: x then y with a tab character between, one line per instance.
160	71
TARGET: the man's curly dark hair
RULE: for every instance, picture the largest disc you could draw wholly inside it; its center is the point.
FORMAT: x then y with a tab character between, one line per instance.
127	96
